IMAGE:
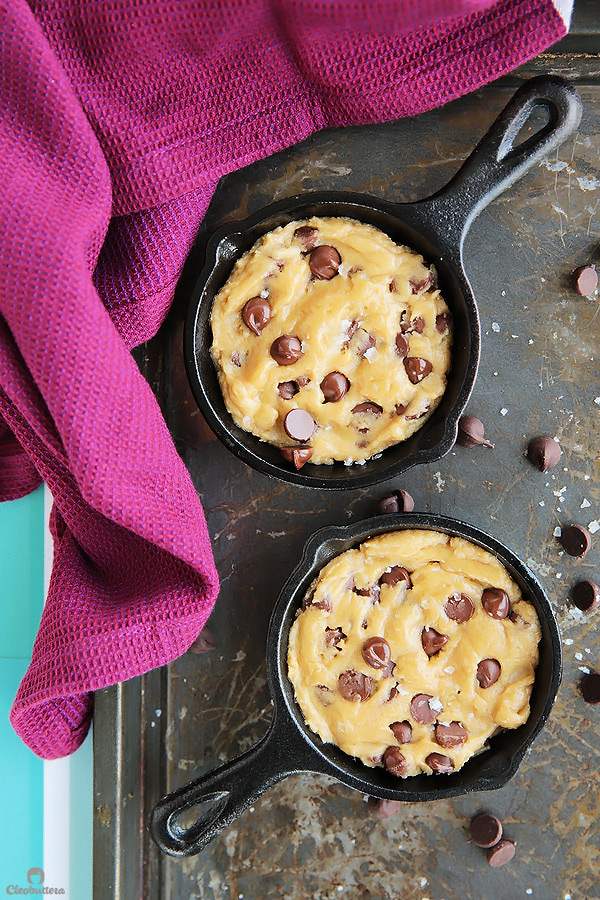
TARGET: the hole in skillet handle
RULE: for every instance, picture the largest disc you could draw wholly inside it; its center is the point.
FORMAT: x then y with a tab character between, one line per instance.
188	824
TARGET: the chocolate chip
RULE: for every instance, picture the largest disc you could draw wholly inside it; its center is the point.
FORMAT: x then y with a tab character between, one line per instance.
402	345
416	368
333	636
395	761
376	652
354	685
452	735
324	262
590	687
421	413
576	540
372	592
383	809
299	425
432	641
399	501
303	380
287	389
402	731
421	710
442	323
400	408
502	853
585	280
256	314
437	762
459	608
393	287
416	326
204	643
308	236
395	575
488	672
422	284
236	358
334	386
495	602
297	455
485	830
543	452
368	408
286	350
324	694
586	595
471	433
362	342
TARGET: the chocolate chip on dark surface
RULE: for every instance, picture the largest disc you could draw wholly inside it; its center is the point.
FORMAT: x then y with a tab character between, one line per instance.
495	602
586	595
388	505
488	672
576	540
585	280
367	407
308	236
354	685
376	652
422	711
432	641
395	761
485	830
471	433
406	502
442	323
298	456
333	637
459	608
590	687
299	424
439	763
395	575
204	643
543	452
383	809
287	389
286	350
402	731
256	313
324	262
452	735
502	853
334	386
417	368
402	345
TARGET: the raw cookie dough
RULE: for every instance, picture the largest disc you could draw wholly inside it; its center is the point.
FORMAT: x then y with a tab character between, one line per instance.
412	650
331	317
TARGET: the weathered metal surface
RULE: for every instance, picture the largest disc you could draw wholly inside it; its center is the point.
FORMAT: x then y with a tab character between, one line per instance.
309	837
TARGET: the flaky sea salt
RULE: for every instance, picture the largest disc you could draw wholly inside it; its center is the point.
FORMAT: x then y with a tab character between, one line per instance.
503	411
495	327
594	526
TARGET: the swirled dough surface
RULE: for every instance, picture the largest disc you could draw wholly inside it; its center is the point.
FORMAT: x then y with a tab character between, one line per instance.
328	636
347	324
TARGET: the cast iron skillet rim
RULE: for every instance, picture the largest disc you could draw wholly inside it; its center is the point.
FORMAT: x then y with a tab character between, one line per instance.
294	590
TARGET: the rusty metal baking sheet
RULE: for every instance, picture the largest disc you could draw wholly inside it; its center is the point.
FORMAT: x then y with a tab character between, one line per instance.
310	837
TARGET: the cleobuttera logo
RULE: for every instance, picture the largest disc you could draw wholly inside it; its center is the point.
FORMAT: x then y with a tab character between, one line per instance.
35	876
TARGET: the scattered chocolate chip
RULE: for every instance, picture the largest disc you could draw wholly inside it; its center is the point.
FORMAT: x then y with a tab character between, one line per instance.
308	236
452	735
471	433
400	409
204	643
368	408
432	641
334	386
459	608
543	452
586	596
439	763
395	575
286	350
422	412
585	280
416	326
393	693
324	694
488	672
416	368
518	619
393	287
324	262
485	830
394	761
576	540
383	809
402	731
372	592
402	345
297	455
256	314
376	652
333	636
590	687
362	342
299	424
495	602
236	358
421	710
303	380
502	853
287	389
423	284
442	323
354	685
399	501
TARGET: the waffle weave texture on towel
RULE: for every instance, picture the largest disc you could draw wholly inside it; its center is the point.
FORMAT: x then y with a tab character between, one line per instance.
117	120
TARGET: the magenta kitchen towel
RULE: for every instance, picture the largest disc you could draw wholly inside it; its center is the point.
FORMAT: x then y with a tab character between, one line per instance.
117	119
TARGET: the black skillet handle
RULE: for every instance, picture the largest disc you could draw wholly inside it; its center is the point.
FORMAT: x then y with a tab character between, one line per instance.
229	790
496	163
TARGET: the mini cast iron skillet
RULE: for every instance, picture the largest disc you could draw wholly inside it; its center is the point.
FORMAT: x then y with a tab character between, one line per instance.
436	227
290	747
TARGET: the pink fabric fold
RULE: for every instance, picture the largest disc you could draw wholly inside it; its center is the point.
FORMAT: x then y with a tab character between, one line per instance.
117	120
